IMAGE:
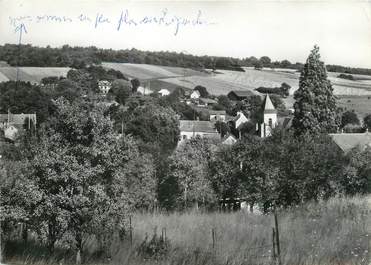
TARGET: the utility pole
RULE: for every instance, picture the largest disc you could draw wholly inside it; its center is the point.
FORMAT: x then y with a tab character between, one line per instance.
21	28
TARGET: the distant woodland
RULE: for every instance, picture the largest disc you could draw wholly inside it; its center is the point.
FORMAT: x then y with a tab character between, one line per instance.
80	57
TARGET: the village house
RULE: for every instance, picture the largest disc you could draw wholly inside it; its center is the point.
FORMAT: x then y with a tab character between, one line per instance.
164	92
238	95
144	90
190	129
217	115
239	120
12	124
195	95
104	86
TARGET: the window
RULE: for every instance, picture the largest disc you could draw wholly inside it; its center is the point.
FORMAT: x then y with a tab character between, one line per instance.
184	137
270	122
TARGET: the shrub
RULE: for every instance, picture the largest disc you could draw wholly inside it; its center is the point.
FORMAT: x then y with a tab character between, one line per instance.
345	76
156	248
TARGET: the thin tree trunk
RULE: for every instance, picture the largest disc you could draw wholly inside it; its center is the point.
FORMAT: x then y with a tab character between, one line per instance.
51	237
25	233
79	247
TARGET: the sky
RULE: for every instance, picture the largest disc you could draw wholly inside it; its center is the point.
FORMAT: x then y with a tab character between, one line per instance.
278	29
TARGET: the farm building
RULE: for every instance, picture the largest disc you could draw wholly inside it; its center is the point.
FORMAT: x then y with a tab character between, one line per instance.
189	129
348	141
238	95
217	115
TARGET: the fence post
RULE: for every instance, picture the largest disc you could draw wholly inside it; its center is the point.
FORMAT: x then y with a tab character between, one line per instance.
273	244
277	237
213	236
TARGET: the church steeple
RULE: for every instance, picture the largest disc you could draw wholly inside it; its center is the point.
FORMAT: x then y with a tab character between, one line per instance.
268	105
269	117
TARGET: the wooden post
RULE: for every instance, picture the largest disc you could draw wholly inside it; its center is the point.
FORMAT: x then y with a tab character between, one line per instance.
277	237
163	234
130	231
273	244
213	236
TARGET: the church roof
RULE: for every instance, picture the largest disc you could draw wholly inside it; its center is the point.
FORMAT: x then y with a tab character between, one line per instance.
268	105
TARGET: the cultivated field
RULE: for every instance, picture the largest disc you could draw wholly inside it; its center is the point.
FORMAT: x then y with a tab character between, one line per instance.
31	74
334	232
360	104
147	71
225	80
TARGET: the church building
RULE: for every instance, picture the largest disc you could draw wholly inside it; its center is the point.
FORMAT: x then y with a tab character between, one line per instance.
269	118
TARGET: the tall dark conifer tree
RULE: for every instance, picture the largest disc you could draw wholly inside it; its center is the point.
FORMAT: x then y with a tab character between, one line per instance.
315	103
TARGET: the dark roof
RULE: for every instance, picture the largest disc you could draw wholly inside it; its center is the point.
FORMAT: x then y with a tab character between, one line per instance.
242	93
197	126
347	141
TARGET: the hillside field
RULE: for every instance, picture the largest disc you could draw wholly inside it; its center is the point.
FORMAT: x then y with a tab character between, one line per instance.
31	74
225	81
360	104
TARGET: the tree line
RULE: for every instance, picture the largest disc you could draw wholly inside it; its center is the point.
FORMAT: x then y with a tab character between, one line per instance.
79	57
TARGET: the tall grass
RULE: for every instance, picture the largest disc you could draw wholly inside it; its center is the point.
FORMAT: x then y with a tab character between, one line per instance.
332	232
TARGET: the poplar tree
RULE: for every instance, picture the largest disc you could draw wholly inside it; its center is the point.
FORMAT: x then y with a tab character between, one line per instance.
315	103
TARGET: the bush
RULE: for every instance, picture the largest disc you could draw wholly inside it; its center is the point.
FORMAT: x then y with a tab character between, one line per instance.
349	117
156	248
283	90
353	128
345	76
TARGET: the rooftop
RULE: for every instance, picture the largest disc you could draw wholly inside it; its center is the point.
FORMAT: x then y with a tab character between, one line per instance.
217	112
347	141
242	93
268	105
197	126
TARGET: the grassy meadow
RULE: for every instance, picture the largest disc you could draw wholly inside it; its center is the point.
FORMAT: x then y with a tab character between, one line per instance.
334	232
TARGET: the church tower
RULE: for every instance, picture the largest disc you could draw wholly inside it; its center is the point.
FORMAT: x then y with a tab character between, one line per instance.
269	117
